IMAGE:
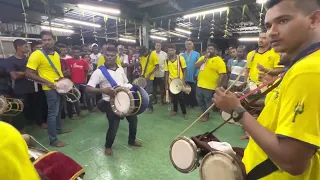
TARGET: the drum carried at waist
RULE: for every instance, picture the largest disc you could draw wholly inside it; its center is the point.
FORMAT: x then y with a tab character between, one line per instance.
10	106
66	87
177	86
140	81
217	160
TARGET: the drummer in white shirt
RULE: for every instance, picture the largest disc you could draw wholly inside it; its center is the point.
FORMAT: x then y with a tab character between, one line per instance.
118	75
95	55
123	58
159	75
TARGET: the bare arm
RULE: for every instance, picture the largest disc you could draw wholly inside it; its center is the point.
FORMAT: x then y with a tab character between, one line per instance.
93	90
199	64
33	75
17	75
156	68
221	80
184	74
166	79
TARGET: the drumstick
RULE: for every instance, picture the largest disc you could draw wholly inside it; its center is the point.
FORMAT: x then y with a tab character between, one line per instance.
39	144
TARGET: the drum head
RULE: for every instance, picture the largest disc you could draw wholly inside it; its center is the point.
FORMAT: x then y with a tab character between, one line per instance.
122	102
176	86
64	85
142	82
226	116
220	166
183	154
3	105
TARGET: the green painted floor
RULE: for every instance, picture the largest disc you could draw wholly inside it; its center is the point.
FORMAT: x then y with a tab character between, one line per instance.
151	162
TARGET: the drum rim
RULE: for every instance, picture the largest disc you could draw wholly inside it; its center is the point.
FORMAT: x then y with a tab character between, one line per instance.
112	101
64	79
195	161
175	79
235	162
140	104
71	92
135	81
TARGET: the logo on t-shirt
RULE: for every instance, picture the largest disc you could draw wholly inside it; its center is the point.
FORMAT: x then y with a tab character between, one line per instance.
299	109
75	65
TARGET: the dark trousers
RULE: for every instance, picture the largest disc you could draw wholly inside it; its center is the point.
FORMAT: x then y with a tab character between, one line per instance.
178	99
114	122
190	99
158	82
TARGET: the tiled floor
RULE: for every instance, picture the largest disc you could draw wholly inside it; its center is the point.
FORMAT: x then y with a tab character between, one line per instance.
151	162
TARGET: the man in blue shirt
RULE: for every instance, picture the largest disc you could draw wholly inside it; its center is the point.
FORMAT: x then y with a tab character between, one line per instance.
191	58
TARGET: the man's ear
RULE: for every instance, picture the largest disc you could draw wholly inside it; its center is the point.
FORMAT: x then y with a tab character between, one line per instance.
315	19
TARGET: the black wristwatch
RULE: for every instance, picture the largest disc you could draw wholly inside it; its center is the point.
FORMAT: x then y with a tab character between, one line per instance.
237	113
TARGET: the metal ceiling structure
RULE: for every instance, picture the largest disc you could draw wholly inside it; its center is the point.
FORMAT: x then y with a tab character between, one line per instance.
163	16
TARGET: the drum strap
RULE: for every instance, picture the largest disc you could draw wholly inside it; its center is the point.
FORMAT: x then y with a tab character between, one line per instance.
178	67
263	169
51	63
107	75
147	63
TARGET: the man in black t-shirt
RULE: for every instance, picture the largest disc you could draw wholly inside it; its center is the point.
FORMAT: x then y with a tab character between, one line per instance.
22	87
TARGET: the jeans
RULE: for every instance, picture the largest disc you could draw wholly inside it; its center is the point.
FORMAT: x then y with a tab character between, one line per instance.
114	122
158	82
191	99
54	101
178	99
149	90
204	98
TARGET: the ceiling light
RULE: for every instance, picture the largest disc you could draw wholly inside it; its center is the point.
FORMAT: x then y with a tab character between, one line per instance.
183	31
82	22
247	32
205	12
261	1
56	24
177	34
57	29
249	39
158	37
127	40
98	8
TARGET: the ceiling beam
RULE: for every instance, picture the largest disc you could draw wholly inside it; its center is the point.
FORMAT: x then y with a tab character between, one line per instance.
252	18
175	5
152	3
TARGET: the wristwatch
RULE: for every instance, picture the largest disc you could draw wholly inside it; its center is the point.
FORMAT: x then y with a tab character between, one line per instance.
237	113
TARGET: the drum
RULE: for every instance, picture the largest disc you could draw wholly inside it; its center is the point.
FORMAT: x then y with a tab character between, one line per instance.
252	86
35	153
140	81
143	102
177	85
184	155
66	87
219	165
226	117
10	106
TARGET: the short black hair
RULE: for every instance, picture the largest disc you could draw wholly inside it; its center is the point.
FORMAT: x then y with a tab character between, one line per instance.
213	45
19	42
158	42
35	43
243	47
76	47
84	55
62	46
304	5
172	46
48	33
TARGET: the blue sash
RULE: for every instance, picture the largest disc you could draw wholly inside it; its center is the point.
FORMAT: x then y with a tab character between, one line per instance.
107	75
50	62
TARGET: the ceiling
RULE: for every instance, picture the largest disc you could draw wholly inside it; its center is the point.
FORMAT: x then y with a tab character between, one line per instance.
162	15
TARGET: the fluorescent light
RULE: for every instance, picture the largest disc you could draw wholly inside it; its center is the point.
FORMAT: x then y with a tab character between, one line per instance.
82	22
261	1
127	40
249	39
98	8
177	34
158	37
57	29
57	24
247	32
205	12
183	31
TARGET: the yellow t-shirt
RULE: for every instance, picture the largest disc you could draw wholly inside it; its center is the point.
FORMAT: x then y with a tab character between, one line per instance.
38	62
172	68
152	63
101	61
270	60
14	158
208	77
294	94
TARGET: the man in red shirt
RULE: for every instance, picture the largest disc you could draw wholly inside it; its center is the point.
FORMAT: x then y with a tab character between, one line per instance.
78	69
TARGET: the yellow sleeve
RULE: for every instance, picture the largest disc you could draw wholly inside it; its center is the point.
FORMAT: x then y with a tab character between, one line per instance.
299	114
221	66
200	59
166	65
154	58
276	60
118	61
100	61
250	58
183	62
34	60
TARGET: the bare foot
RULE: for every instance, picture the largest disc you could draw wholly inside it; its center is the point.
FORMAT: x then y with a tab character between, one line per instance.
136	144
186	117
173	113
44	126
161	103
58	144
150	111
108	152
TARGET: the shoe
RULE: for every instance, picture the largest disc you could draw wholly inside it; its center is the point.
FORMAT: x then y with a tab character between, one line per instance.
136	144
108	152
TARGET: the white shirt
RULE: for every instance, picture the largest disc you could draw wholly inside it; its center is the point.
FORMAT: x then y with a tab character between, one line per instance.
95	58
124	59
162	57
65	58
98	78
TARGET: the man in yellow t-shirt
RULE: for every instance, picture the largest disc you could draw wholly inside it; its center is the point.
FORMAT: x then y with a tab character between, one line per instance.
149	65
175	67
40	70
285	140
14	158
263	60
211	75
